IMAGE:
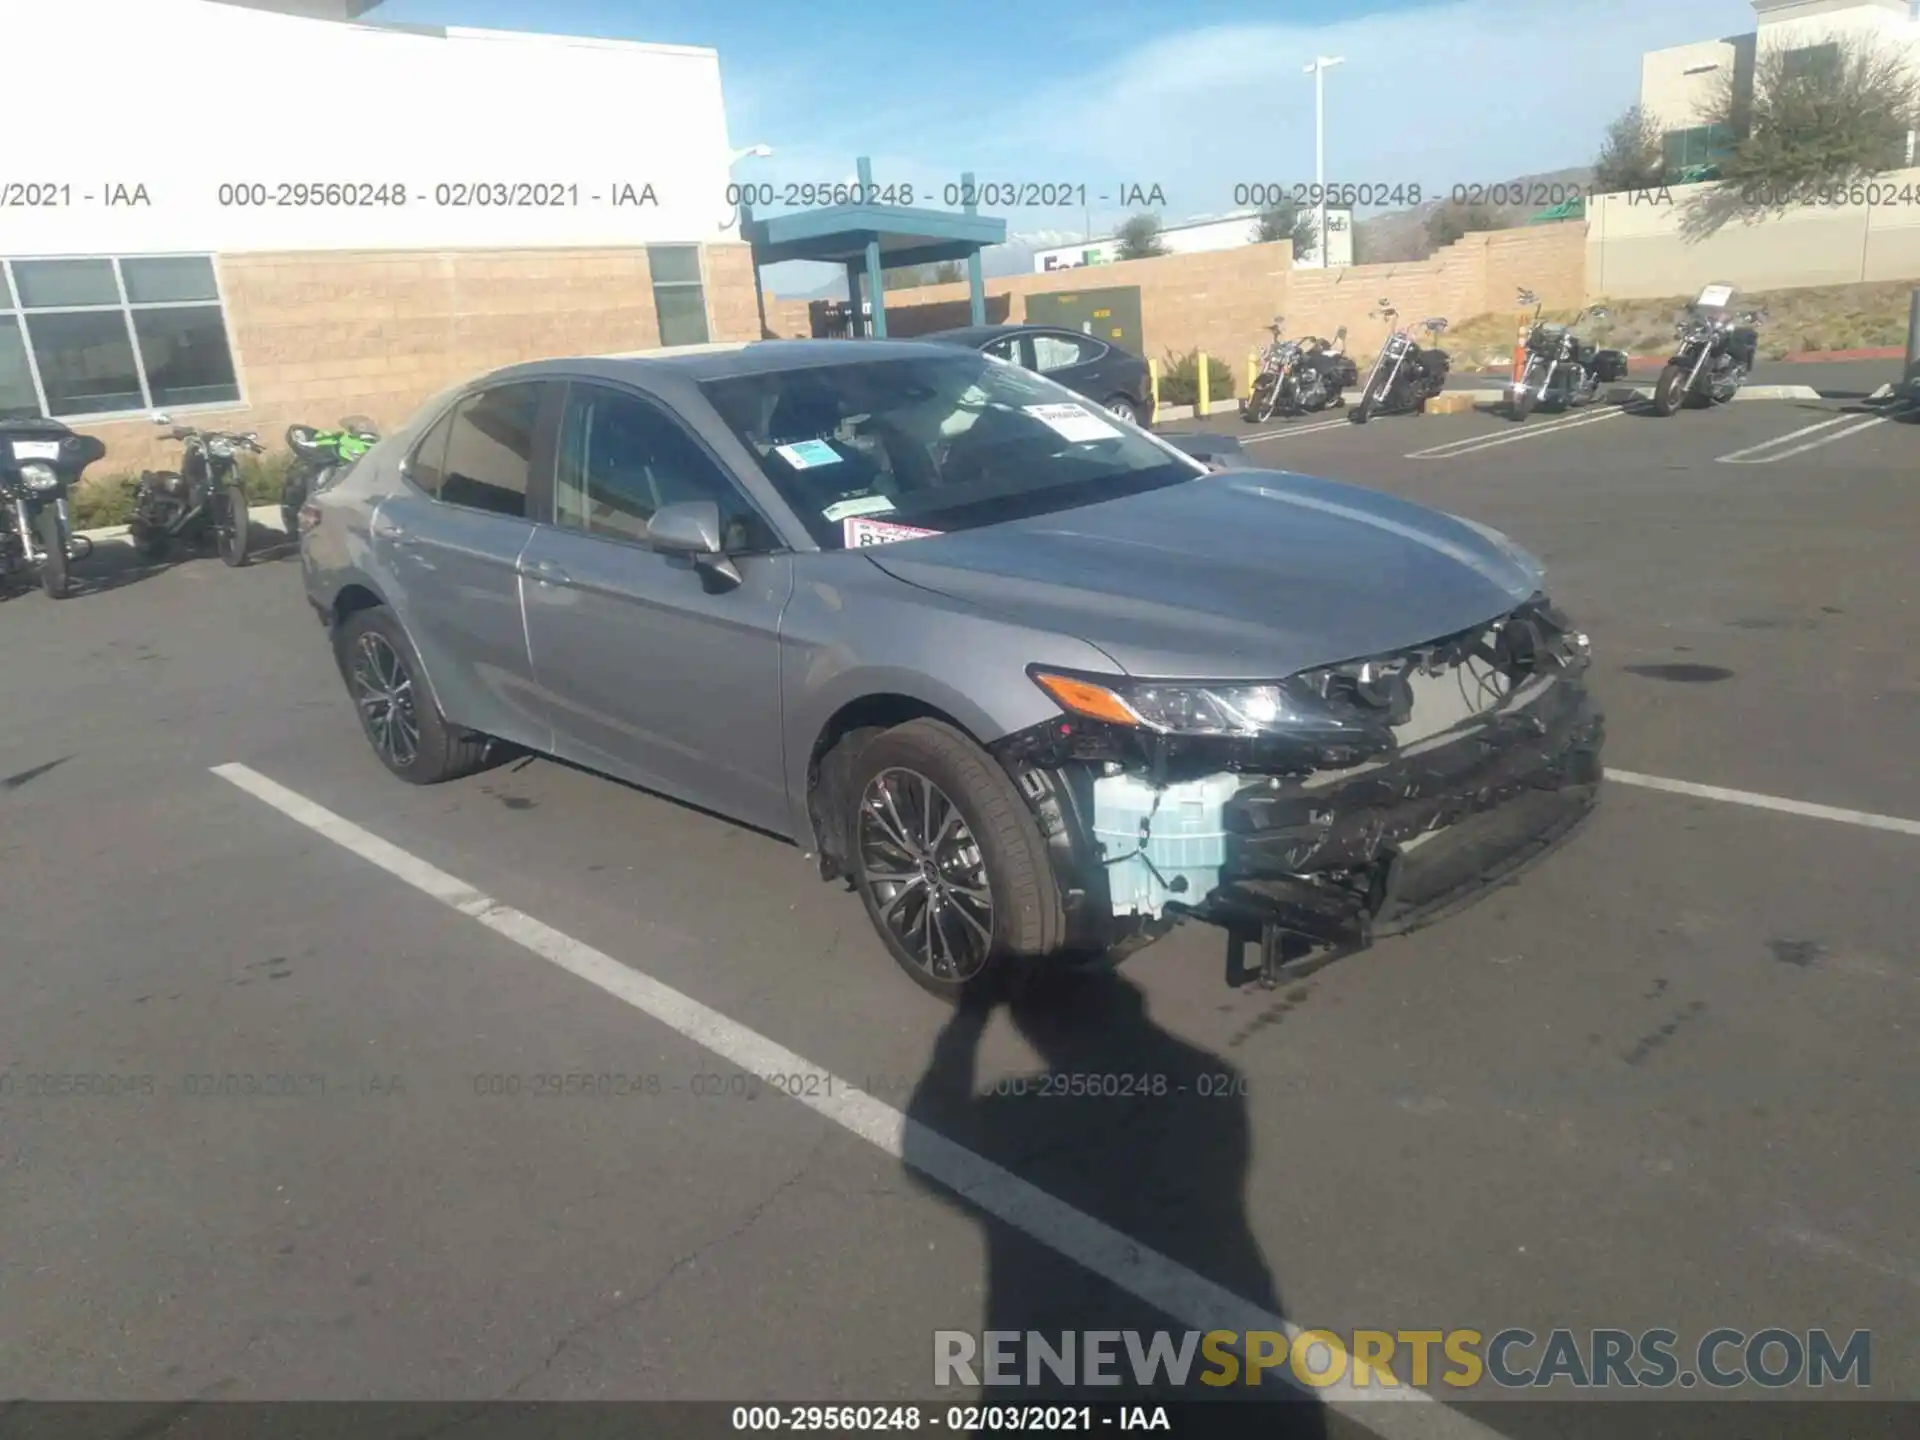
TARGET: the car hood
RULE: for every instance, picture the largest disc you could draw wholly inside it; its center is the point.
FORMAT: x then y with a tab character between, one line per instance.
1245	575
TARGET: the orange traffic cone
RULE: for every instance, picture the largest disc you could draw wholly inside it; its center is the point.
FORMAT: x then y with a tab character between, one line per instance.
1520	352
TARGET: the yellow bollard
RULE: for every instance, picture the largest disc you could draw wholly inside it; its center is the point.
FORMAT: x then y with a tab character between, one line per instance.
1253	368
1205	407
1153	379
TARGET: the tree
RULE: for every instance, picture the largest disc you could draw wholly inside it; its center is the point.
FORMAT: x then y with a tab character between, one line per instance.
1630	157
948	272
1817	117
1451	219
1287	221
1140	238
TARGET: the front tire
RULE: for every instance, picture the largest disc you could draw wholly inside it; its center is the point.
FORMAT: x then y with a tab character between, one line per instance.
1521	405
235	532
397	712
53	539
1368	406
949	862
1669	390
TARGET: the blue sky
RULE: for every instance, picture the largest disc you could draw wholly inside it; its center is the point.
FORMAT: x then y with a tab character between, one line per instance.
1195	97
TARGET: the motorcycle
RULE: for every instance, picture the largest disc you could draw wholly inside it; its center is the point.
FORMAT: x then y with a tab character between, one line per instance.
1404	376
316	455
1299	377
205	498
1562	370
1713	356
40	460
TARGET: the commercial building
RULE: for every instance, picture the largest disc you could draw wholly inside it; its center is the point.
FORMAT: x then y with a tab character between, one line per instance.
1225	234
275	212
1680	86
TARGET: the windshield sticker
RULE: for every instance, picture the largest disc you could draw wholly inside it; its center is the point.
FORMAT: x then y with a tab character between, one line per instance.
1073	422
1714	297
858	505
857	534
806	454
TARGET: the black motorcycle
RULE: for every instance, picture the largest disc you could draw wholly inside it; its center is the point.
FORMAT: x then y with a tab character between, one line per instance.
1299	377
40	461
1404	376
1714	355
1562	370
317	454
205	499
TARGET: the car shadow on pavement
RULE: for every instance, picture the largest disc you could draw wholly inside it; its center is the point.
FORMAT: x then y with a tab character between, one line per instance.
1167	1170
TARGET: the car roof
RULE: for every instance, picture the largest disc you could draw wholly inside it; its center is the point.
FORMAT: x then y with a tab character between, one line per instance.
720	361
980	334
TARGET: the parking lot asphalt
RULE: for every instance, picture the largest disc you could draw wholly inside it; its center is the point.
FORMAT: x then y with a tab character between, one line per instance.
1664	1080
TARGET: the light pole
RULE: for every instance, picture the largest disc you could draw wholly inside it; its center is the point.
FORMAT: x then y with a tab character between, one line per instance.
742	213
1318	69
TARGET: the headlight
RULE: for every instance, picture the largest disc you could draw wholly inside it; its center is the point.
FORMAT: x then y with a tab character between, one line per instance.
221	448
1175	708
39	477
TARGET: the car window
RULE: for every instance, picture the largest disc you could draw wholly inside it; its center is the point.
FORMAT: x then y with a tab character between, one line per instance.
860	449
622	458
1007	349
490	450
427	465
1057	352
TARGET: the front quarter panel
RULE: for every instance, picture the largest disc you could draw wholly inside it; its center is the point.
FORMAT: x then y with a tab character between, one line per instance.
853	632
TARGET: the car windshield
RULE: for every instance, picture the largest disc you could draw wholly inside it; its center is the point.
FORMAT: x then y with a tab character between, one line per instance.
878	450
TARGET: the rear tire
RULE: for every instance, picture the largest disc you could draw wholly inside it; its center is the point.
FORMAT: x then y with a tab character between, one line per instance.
397	711
1122	408
53	540
930	811
236	532
1668	391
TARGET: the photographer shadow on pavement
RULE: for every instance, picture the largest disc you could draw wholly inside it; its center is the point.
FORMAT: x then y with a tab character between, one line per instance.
1168	1171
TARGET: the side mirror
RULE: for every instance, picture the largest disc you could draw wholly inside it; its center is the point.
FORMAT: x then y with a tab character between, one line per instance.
691	527
252	437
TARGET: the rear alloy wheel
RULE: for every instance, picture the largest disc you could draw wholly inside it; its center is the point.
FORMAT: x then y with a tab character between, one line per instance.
948	860
1121	408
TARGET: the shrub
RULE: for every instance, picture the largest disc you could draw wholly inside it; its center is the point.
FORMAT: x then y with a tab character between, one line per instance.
1180	379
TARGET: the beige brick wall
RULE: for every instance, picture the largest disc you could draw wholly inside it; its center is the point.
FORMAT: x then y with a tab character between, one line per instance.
320	335
1221	300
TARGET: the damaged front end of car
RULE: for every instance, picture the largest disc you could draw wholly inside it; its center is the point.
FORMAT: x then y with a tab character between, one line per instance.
1333	807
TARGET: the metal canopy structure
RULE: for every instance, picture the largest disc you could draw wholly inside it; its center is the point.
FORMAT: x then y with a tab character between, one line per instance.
873	238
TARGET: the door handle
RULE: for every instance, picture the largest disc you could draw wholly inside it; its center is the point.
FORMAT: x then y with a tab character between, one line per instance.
546	572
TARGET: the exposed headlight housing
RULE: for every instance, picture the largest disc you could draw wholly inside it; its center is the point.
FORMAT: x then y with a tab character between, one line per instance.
39	477
221	448
1195	707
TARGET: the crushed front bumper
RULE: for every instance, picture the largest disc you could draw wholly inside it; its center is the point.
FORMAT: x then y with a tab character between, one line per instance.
1341	853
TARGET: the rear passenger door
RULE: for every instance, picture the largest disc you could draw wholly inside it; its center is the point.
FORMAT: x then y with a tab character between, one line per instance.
448	543
652	668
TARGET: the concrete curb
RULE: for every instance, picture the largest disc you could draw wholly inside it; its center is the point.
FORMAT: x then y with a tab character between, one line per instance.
1190	412
267	517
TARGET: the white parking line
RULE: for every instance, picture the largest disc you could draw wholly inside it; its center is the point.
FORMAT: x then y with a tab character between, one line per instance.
1313	427
1475	443
1767	802
1739	457
1188	1298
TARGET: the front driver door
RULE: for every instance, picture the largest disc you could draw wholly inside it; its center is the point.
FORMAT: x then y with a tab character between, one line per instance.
652	668
448	543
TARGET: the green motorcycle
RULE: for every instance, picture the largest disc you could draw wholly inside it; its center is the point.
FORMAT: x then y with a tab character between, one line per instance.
316	455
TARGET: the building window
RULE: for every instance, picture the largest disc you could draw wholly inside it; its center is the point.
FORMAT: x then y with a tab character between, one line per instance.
678	300
1687	152
1811	62
104	336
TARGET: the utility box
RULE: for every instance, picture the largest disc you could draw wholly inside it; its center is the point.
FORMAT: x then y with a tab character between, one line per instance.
1112	315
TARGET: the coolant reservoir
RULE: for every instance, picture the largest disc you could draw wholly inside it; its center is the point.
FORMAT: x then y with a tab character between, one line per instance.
1185	837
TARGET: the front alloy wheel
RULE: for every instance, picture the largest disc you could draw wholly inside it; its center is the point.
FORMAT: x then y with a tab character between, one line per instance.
383	689
927	876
